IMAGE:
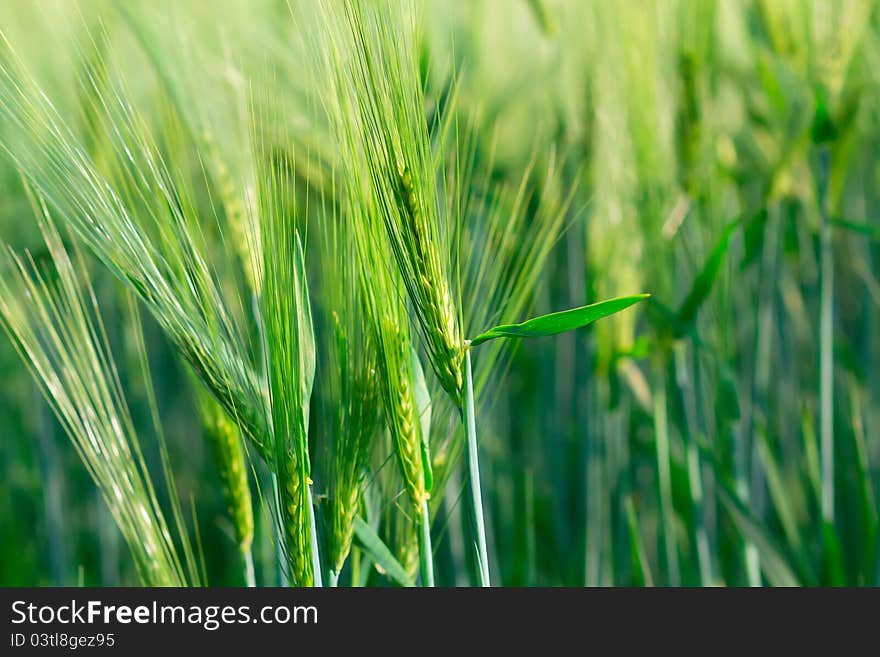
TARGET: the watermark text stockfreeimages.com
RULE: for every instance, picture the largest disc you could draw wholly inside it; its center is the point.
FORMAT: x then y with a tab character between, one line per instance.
210	617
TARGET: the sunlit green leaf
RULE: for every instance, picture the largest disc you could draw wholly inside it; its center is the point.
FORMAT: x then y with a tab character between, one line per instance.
560	322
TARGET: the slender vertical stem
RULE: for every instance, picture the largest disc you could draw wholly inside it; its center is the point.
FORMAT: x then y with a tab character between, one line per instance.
688	389
826	354
753	472
474	473
53	475
741	474
283	579
355	567
332	579
247	556
313	533
456	528
426	555
704	558
531	541
279	542
594	491
710	503
667	511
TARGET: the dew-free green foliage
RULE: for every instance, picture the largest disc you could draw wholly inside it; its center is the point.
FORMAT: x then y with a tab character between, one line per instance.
268	270
558	322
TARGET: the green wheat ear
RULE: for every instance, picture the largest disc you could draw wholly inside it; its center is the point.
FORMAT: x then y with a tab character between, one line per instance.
386	155
396	227
224	440
290	361
357	422
416	192
401	382
351	388
137	214
57	331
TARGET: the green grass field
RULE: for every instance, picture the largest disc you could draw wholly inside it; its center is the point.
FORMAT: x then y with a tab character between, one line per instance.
454	293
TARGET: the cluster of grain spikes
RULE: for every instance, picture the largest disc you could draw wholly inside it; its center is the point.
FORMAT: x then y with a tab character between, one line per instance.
407	408
351	389
289	352
401	384
138	216
398	176
400	169
54	323
409	197
356	425
387	189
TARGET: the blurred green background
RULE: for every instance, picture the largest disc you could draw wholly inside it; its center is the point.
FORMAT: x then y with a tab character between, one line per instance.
721	155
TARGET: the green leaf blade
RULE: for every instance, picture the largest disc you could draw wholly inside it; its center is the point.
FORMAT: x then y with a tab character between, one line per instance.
560	322
376	549
868	230
704	282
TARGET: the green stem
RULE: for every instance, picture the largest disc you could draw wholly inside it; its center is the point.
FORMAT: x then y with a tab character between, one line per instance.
426	554
667	510
313	533
473	466
687	386
332	579
826	346
283	578
247	556
531	540
355	566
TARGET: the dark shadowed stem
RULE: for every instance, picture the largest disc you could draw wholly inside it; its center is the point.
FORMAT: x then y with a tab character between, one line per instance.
53	475
531	539
425	550
473	466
